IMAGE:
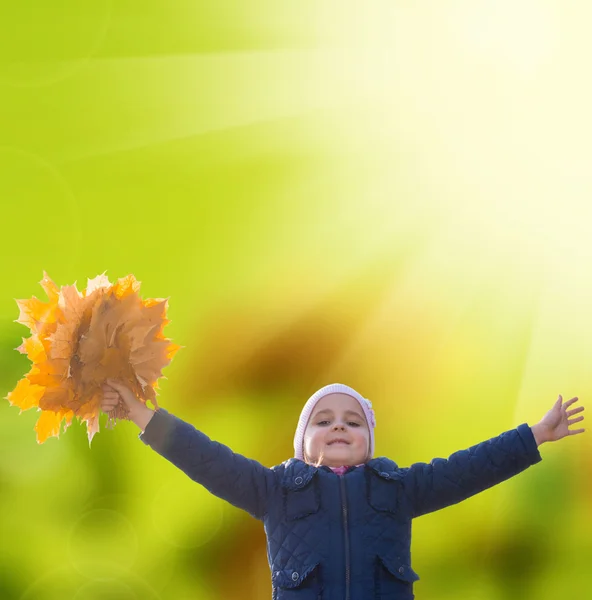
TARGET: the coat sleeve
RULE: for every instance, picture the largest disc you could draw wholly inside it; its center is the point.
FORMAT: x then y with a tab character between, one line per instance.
443	482
241	481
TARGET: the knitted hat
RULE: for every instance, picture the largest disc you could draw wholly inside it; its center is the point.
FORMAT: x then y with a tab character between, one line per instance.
332	388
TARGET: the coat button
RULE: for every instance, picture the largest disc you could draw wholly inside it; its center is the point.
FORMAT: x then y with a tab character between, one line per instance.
295	576
401	570
298	480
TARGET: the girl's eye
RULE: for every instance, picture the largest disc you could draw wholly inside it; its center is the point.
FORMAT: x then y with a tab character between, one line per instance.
350	423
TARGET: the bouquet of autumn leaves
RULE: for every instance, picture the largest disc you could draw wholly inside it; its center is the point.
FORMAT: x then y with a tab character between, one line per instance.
80	339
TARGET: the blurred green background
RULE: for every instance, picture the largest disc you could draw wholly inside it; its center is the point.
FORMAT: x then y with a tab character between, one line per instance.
391	195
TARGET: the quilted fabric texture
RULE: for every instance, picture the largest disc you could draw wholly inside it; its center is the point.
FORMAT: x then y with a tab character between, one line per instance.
332	537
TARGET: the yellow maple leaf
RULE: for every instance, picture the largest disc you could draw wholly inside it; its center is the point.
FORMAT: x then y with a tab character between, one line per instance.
79	339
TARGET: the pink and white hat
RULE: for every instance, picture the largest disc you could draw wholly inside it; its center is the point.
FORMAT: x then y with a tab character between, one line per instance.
332	388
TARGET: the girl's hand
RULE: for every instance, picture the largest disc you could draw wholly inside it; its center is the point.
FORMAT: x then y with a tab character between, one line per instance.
114	392
555	424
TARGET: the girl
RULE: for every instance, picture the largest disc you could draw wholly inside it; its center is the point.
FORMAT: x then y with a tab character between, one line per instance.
337	520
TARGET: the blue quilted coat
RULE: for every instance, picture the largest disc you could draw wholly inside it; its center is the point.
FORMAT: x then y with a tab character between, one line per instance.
332	537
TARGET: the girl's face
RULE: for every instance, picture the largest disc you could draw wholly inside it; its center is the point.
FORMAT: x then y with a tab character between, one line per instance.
337	416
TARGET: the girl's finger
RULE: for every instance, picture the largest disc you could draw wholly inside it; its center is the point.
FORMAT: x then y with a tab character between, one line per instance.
570	402
114	384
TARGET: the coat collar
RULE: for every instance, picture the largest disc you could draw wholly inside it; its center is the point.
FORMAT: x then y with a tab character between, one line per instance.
297	473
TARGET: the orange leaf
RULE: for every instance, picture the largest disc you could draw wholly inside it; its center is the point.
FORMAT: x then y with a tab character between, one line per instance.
126	285
51	289
48	424
33	348
62	340
172	350
33	311
71	303
25	395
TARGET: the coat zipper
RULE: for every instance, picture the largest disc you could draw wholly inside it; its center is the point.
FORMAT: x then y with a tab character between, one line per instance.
344	505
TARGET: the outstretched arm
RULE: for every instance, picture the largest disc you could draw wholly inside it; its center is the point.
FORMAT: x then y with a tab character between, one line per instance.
443	482
241	481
